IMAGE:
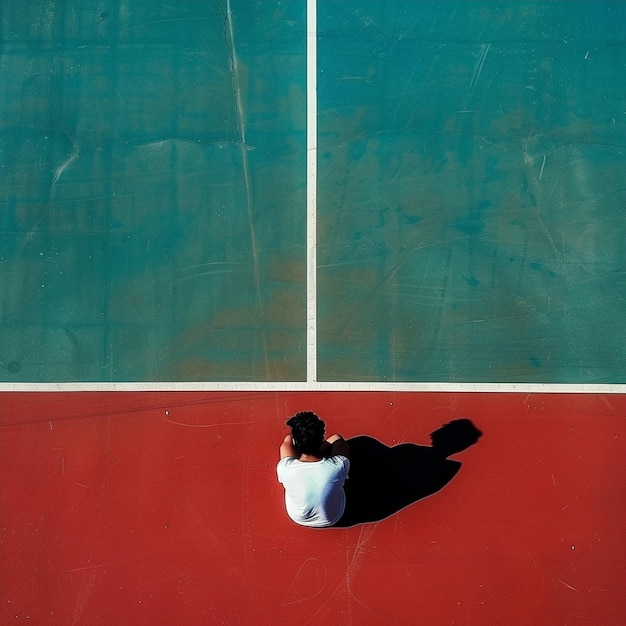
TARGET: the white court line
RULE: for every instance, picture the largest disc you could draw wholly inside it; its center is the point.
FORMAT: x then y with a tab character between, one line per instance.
311	174
320	386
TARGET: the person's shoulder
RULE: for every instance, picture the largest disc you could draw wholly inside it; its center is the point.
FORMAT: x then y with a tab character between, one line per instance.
286	461
339	460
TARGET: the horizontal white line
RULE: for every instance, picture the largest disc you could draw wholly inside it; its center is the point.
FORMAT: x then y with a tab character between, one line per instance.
318	386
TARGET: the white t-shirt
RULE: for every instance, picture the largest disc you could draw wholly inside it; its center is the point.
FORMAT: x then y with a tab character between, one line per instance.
314	493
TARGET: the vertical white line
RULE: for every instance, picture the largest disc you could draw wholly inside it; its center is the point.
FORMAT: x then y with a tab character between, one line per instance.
311	173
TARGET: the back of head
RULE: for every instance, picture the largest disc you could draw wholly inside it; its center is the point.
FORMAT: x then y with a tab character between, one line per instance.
307	430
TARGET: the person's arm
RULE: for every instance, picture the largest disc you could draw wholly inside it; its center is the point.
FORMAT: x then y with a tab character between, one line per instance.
335	445
287	449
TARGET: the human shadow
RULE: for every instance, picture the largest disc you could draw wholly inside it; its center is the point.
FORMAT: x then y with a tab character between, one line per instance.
383	480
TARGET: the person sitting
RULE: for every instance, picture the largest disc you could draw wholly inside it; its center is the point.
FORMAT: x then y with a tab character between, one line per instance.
313	471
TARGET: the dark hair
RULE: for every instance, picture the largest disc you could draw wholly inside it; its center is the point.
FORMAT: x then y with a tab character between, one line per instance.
307	431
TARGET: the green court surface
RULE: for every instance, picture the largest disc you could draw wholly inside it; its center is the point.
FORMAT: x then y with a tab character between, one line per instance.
153	185
470	191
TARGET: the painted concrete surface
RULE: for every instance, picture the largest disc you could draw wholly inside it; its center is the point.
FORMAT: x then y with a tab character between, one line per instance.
164	508
152	180
470	191
469	229
471	195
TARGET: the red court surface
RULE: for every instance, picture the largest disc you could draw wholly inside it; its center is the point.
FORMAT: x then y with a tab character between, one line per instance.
163	508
